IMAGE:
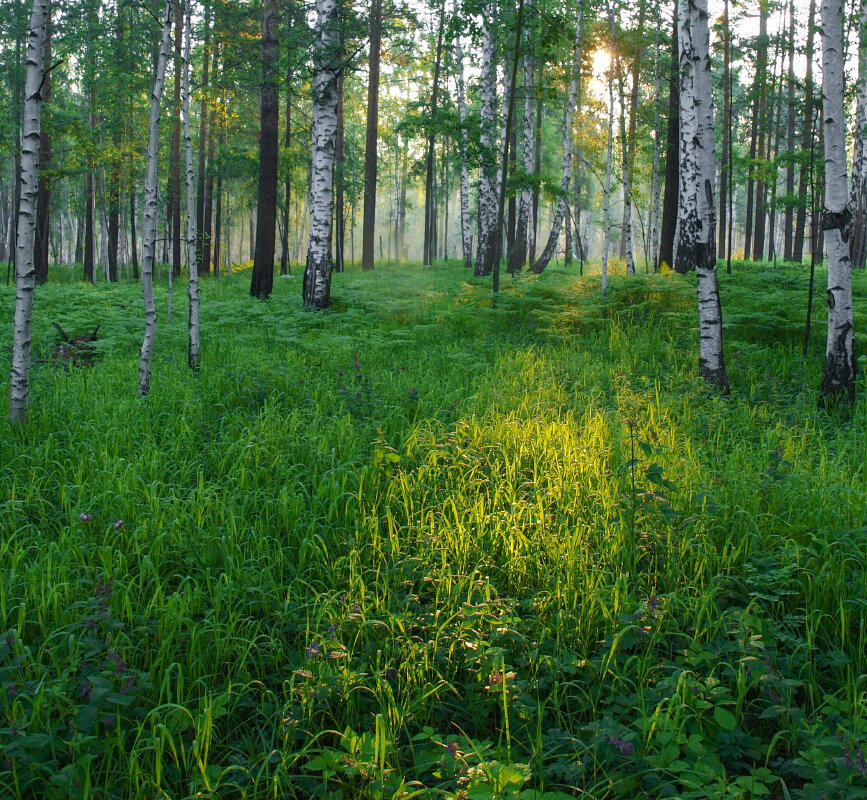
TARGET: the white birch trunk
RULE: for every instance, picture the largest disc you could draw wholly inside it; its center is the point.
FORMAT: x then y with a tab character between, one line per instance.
627	181
487	182
152	209
606	195
317	275
566	175
193	287
525	203
696	219
839	374
655	183
858	187
25	269
466	234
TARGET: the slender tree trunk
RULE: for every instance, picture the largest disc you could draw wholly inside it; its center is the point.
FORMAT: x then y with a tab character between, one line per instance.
339	213
566	174
487	216
203	141
533	235
430	210
175	165
317	274
627	250
466	235
511	225
672	156
519	252
763	137
43	201
726	133
626	228
402	213
193	286
788	225
151	207
208	220
696	224
654	177
839	374
266	210
806	141
134	244
25	273
751	183
858	190
606	198
218	214
368	227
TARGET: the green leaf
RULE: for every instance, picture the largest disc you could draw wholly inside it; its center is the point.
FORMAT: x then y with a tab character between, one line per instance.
725	719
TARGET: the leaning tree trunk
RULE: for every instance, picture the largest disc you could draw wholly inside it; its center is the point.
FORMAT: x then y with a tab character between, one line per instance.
519	253
266	210
488	174
839	375
152	209
466	235
566	175
193	287
317	274
25	272
696	223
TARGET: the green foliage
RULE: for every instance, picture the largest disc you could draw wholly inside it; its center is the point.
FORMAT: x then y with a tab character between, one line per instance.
416	546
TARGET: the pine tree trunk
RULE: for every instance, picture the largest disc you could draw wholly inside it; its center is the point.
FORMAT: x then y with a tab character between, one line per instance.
208	219
25	273
763	132
806	139
368	226
430	199
672	157
696	224
566	174
266	209
43	201
466	235
151	208
788	224
317	274
487	216
284	242
751	184
193	285
839	374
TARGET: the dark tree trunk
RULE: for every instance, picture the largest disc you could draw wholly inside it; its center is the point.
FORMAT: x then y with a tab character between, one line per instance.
726	134
203	140
751	184
339	217
209	178
133	243
284	241
266	221
763	144
43	193
672	158
368	225
218	217
512	224
790	140
537	169
89	269
429	245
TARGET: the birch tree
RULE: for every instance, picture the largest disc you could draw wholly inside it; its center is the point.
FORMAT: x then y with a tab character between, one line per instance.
519	253
152	208
193	287
466	235
566	175
317	274
606	194
25	267
695	242
488	177
858	191
655	185
839	374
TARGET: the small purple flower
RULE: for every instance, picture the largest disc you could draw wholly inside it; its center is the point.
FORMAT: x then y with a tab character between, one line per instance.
86	689
91	624
627	748
862	764
495	678
10	640
85	517
847	758
452	749
314	651
652	602
118	525
13	731
120	668
356	608
391	673
12	691
127	686
108	722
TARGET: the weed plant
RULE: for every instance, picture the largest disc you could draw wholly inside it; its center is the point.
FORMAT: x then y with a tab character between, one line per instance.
416	546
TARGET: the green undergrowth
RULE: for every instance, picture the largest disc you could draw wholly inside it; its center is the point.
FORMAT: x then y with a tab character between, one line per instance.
420	546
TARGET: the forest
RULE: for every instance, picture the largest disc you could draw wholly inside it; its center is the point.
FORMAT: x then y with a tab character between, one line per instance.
433	399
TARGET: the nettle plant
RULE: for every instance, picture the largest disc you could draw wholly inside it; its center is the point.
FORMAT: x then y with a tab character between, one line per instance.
69	700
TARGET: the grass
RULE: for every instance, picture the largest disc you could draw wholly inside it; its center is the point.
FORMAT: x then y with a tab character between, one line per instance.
416	546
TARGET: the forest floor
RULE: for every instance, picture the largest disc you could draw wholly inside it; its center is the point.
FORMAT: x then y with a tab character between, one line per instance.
416	546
